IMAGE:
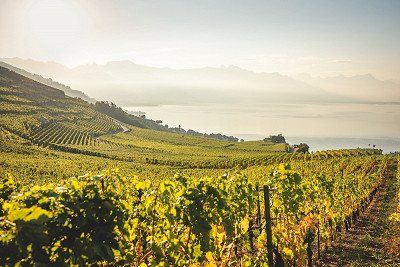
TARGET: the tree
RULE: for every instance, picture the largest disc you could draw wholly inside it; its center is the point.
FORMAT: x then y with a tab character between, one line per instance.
116	112
278	139
303	147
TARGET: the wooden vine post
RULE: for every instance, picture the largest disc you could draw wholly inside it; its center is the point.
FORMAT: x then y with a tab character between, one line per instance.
268	230
141	219
250	230
258	207
318	242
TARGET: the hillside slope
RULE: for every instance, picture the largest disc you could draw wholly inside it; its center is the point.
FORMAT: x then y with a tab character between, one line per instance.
46	117
49	82
111	109
29	107
36	116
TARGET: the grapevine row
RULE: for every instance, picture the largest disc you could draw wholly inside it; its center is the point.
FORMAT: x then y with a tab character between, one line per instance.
58	133
120	220
396	215
76	133
98	125
264	160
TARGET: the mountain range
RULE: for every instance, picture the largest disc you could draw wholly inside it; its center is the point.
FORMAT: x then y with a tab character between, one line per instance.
130	84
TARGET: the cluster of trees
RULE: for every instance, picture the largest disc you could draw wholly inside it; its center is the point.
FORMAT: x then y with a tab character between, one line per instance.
212	135
278	139
116	112
222	137
217	136
302	147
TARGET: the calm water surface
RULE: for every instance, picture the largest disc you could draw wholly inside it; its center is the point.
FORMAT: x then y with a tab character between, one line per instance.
322	126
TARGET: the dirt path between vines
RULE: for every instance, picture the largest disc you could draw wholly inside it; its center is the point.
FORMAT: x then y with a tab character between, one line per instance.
374	240
124	128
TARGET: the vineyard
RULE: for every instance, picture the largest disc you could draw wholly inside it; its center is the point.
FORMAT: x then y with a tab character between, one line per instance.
60	134
182	221
81	132
78	187
396	215
45	115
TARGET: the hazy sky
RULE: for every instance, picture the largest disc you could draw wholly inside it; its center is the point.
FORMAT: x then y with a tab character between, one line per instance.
290	37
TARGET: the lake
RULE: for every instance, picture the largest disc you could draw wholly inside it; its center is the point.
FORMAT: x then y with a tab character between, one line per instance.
322	126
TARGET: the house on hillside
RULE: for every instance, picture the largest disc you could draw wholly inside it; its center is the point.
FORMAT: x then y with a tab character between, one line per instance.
302	147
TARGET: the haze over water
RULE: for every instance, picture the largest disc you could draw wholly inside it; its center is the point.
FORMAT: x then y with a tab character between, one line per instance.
322	126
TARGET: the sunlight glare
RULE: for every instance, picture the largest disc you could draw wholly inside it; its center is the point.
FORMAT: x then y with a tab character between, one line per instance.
54	17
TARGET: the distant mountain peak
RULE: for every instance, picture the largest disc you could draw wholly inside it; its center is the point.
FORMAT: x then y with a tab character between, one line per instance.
126	82
366	76
32	61
120	63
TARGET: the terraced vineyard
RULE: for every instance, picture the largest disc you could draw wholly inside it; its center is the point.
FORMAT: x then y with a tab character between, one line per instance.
81	132
98	125
45	115
60	134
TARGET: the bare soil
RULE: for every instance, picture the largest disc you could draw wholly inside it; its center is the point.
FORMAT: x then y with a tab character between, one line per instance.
374	240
